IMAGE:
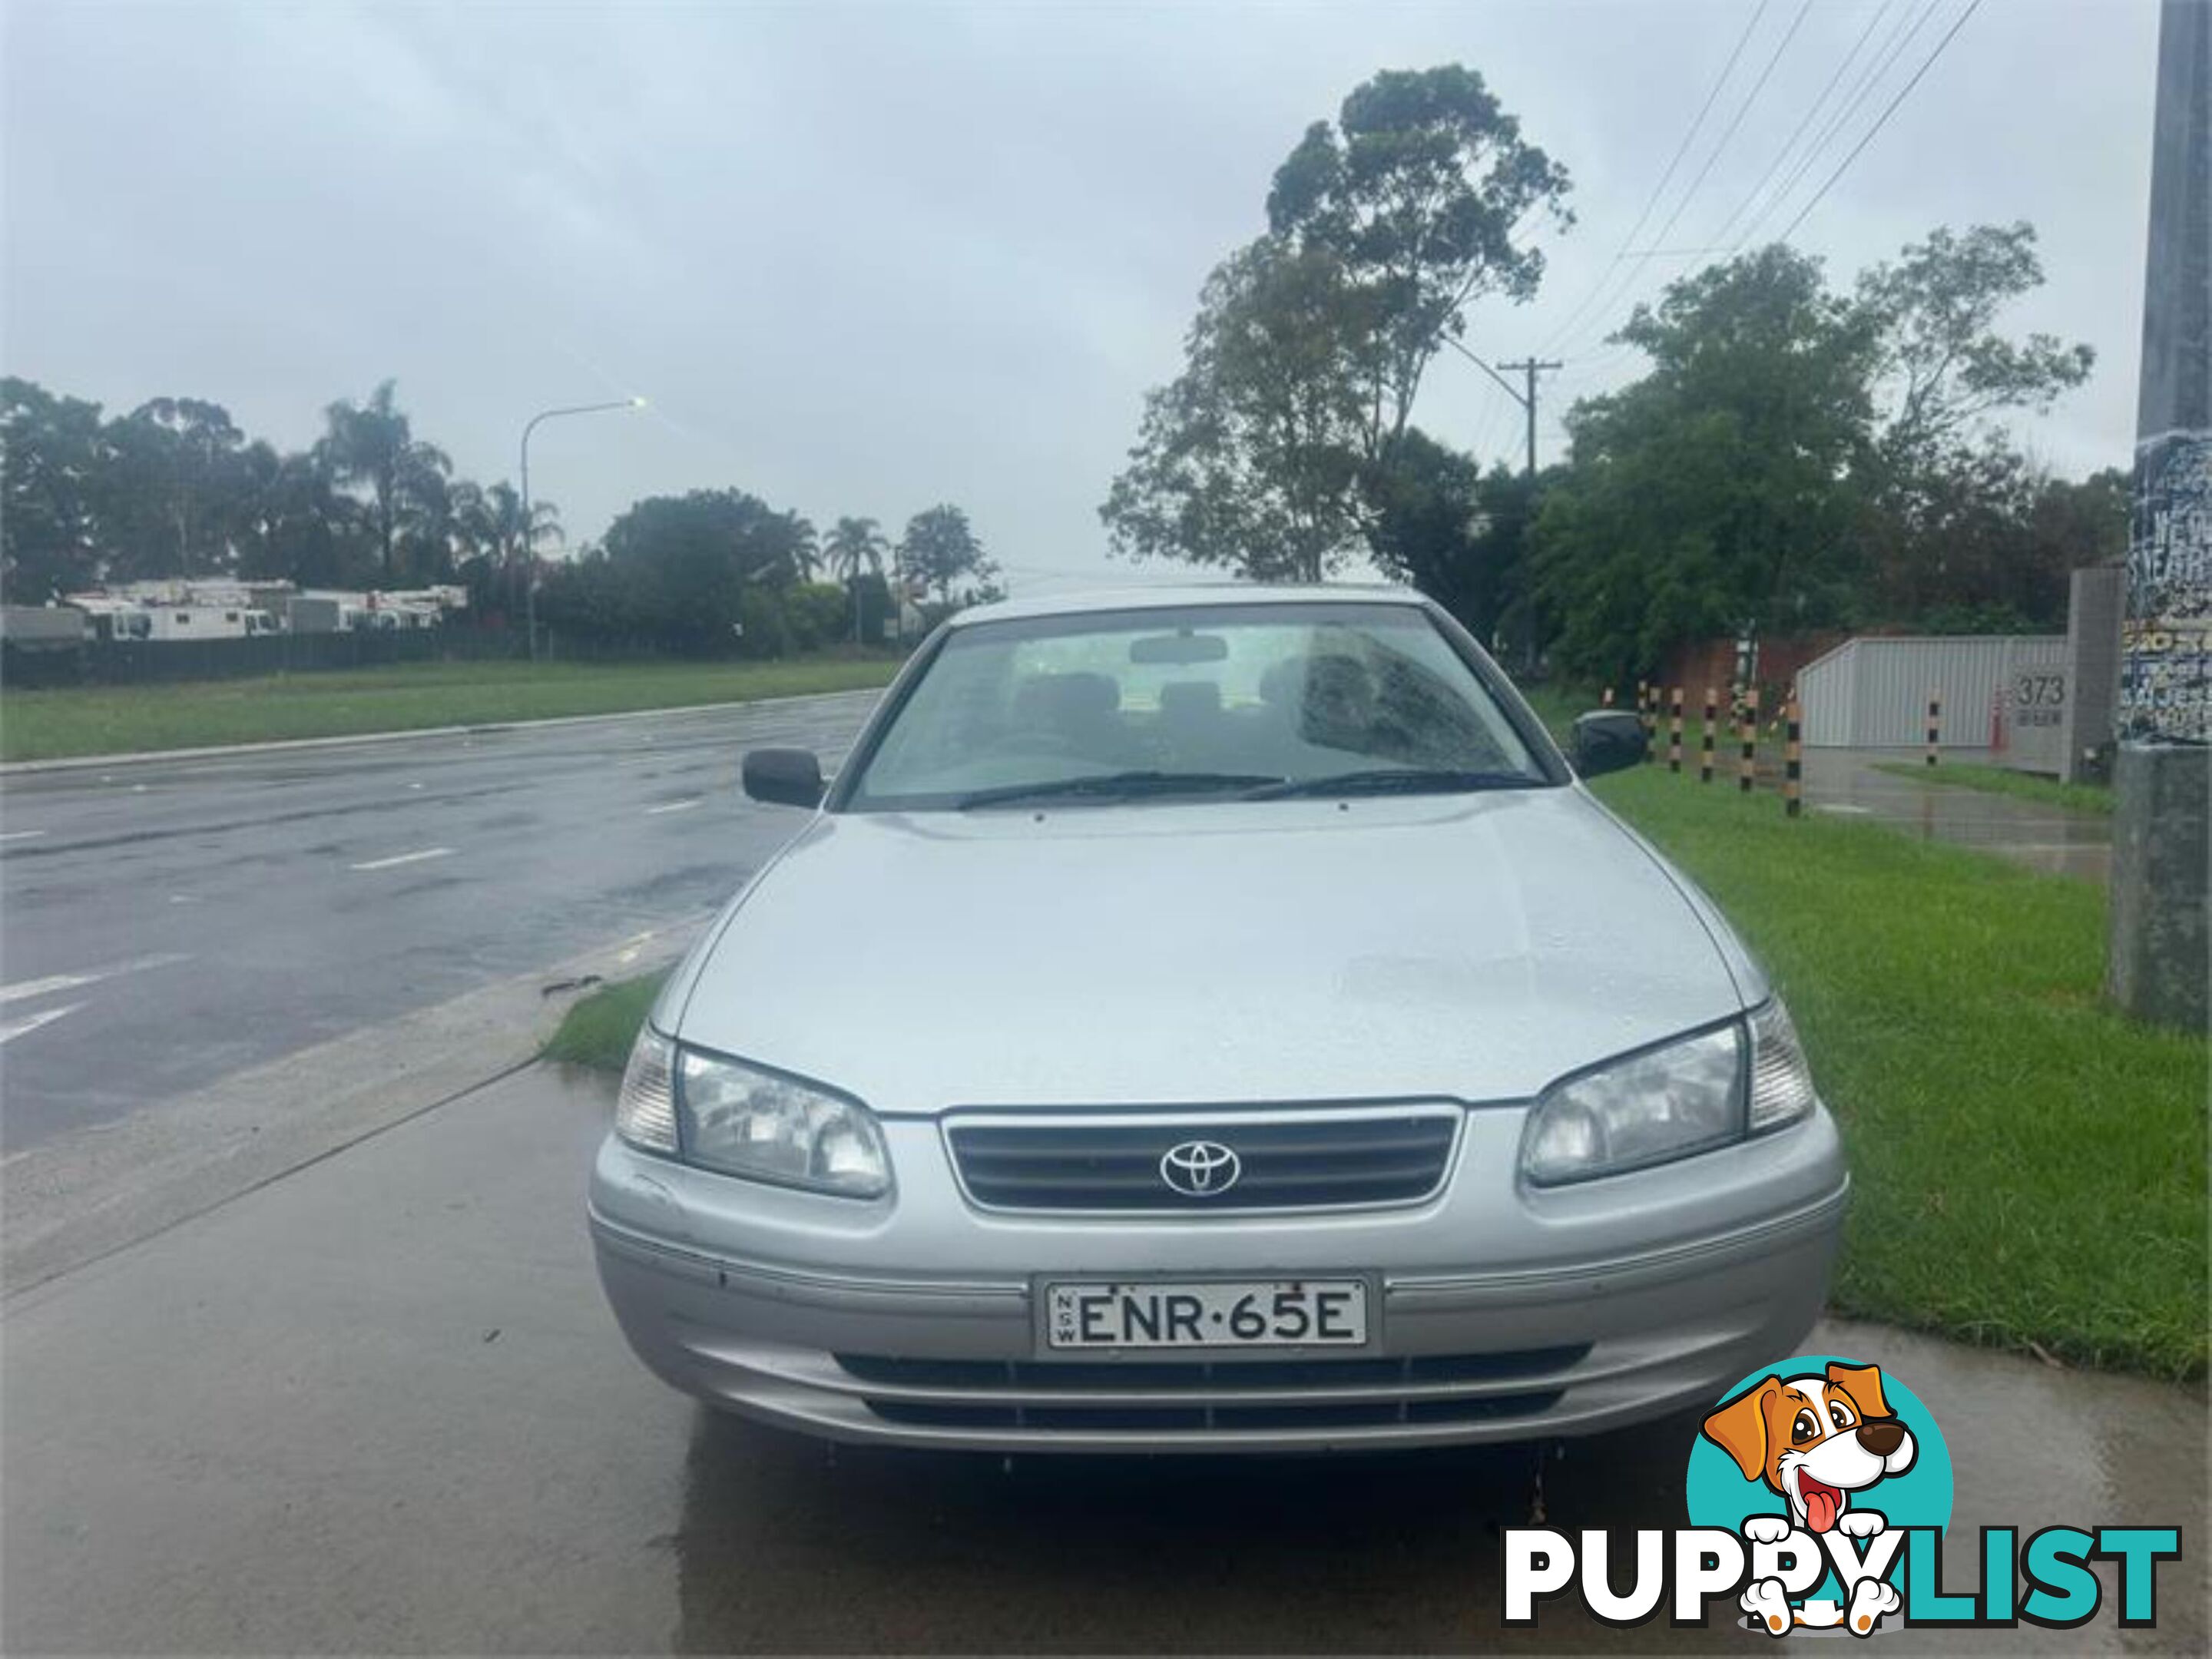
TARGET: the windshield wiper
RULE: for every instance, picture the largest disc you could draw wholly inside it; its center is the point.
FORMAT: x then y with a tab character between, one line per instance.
1121	786
1395	781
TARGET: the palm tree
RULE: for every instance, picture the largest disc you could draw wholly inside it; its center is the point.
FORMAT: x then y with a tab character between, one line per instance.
488	522
855	546
805	546
497	522
372	444
296	524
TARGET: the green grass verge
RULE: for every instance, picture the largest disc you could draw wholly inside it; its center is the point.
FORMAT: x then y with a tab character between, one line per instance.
1557	707
1995	781
2030	1166
51	724
597	1030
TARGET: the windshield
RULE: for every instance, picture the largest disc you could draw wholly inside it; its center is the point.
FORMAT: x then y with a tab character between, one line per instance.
1162	704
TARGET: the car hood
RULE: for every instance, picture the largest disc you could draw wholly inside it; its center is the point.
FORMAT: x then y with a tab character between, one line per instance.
1468	946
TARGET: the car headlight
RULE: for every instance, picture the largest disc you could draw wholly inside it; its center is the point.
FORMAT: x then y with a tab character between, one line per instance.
740	1120
745	1121
1745	1078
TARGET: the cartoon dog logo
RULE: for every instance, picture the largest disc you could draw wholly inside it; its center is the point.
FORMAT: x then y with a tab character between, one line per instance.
1817	1440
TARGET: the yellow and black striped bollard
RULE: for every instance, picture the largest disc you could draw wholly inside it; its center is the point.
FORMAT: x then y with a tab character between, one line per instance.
1935	723
1747	766
1793	759
1647	703
1675	731
1705	750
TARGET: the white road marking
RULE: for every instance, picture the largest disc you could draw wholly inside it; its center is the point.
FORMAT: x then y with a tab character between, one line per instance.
53	983
405	858
676	806
19	835
39	988
634	946
14	1028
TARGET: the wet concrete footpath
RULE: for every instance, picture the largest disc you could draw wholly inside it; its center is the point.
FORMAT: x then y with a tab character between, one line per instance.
2056	841
378	1406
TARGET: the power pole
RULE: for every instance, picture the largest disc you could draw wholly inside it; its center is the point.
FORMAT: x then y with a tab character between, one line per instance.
1532	368
1526	399
2162	827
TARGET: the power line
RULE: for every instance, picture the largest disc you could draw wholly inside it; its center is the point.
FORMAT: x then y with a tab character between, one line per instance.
1901	36
1490	422
1497	444
1883	120
1714	156
1532	368
1486	434
1665	179
1893	48
1811	110
1484	367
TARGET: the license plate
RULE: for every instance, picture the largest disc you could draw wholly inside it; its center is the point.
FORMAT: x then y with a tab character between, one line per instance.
1208	1313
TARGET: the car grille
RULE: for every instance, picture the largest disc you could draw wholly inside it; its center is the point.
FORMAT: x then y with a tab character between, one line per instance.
1151	1396
1309	1160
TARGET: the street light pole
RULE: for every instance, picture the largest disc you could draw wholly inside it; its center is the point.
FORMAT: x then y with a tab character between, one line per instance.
529	542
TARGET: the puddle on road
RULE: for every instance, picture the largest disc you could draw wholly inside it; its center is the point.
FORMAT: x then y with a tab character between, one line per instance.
2042	837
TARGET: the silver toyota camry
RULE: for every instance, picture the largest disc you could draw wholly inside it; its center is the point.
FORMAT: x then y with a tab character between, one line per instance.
1215	1019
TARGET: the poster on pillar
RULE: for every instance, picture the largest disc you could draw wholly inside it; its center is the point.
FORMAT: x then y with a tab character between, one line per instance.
2166	674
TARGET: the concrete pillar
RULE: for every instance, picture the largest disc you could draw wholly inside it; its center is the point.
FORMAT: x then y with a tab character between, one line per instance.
2093	610
2159	967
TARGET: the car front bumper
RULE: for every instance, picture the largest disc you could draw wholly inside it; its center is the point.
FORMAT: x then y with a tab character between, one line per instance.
1497	1314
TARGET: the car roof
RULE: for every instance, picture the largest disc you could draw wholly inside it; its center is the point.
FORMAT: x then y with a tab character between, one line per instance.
1173	595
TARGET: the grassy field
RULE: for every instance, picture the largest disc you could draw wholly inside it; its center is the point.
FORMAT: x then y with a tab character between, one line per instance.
2030	1167
1995	781
1557	707
407	697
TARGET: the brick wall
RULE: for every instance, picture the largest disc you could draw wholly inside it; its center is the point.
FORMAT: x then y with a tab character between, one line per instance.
1712	663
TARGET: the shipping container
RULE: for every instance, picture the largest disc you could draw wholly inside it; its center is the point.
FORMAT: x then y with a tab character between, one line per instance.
1872	692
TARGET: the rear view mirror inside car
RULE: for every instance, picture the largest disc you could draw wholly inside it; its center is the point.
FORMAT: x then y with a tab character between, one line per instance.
1183	648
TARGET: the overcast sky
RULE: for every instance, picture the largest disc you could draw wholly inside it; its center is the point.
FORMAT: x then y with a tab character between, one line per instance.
863	258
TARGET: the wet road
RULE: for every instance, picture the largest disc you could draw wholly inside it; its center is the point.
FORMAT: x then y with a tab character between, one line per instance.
170	923
2051	840
379	1406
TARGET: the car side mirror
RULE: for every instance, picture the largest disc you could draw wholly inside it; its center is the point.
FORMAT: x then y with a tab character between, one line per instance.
786	777
1607	740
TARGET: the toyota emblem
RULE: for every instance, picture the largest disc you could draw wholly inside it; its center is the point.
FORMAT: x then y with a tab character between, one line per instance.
1200	1168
